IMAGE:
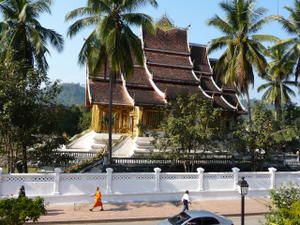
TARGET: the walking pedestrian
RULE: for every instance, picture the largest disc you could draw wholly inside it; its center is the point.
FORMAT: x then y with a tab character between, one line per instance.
98	200
298	155
186	201
22	193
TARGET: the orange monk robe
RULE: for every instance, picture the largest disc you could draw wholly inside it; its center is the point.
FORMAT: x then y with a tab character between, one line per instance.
98	199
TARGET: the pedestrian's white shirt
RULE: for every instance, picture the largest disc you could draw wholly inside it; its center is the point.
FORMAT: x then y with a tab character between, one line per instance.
185	197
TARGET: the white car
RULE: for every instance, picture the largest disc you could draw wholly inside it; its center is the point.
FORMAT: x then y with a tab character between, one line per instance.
196	217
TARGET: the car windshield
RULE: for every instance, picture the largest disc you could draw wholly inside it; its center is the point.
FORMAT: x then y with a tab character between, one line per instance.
179	219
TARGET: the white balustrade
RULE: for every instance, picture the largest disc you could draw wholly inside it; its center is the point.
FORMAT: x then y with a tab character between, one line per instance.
235	171
143	186
57	171
272	171
157	179
109	178
201	178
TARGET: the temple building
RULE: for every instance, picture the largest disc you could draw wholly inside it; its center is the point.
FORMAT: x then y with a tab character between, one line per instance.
172	66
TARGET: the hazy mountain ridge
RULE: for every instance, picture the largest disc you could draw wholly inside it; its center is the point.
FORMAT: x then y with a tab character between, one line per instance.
71	94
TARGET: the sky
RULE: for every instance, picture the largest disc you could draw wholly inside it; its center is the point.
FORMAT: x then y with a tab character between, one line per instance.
64	66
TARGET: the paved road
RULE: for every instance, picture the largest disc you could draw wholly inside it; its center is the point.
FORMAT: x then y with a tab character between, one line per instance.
250	220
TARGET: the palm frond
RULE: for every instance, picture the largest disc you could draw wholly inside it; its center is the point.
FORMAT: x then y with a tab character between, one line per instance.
41	6
265	37
264	86
139	19
219	23
219	43
80	24
79	12
50	35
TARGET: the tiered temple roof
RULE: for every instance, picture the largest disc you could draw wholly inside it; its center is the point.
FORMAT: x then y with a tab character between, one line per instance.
172	67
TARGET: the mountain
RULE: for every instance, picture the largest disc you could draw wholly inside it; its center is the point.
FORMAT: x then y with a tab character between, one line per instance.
71	94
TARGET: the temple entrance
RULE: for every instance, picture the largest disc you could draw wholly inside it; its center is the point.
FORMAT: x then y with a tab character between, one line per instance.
121	119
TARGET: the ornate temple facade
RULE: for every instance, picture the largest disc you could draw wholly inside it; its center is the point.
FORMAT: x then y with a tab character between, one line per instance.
172	66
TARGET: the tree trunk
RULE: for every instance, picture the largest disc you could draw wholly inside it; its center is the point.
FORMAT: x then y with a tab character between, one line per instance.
278	112
110	120
249	106
24	159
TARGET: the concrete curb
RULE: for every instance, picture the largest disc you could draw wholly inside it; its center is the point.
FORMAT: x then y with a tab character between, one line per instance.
130	219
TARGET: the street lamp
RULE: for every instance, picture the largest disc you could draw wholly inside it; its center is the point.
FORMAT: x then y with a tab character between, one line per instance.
243	190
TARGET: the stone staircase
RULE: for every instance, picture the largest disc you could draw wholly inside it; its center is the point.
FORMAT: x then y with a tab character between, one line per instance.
143	145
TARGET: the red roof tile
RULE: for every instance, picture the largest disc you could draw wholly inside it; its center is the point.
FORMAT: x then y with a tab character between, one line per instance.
171	74
200	59
173	40
100	93
146	97
167	59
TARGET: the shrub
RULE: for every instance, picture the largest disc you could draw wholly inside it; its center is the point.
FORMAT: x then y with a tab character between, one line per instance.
18	211
285	208
285	196
285	216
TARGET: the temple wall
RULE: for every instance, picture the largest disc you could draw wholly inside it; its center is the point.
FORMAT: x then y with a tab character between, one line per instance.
156	186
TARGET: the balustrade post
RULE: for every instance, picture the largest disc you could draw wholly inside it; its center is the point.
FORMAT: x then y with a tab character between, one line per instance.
157	179
57	172
1	170
272	171
200	171
235	171
109	172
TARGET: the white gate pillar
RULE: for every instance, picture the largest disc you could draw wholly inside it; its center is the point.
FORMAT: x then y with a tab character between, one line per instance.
272	171
235	171
57	172
157	179
200	171
109	172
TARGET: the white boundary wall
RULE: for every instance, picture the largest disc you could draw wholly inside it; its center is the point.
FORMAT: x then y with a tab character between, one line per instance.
62	188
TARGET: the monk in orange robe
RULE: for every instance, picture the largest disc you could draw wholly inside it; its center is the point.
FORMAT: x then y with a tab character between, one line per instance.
98	200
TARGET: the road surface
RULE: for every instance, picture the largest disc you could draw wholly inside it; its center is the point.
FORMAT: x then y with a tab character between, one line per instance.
249	220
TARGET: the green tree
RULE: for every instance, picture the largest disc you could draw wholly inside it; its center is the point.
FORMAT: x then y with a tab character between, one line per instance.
257	138
244	50
24	90
285	208
265	135
191	126
21	210
277	89
292	26
21	32
112	42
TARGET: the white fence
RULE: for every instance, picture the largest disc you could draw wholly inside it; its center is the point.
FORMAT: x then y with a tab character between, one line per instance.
157	186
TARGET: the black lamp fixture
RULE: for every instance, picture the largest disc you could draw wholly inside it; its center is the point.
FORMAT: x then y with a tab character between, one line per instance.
243	186
243	190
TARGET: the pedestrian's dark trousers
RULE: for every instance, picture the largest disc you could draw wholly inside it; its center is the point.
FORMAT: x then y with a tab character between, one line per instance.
185	205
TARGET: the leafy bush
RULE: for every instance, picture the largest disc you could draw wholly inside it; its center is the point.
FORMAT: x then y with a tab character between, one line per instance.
285	196
285	208
18	211
285	216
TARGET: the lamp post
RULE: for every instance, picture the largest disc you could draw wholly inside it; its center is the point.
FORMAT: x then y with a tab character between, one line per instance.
243	184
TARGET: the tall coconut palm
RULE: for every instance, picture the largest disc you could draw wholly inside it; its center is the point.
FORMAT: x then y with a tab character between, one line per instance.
244	49
278	89
23	34
113	37
292	26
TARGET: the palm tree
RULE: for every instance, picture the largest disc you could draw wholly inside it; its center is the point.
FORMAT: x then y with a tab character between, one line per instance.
22	33
277	88
244	49
113	37
292	26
